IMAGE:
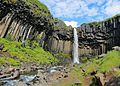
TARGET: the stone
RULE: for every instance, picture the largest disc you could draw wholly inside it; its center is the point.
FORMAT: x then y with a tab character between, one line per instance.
1	46
96	81
117	48
65	76
115	81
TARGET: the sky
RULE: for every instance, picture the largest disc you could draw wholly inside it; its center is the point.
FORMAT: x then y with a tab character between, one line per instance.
76	12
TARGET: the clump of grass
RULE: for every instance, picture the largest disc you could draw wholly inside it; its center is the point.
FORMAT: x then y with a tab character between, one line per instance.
9	61
63	55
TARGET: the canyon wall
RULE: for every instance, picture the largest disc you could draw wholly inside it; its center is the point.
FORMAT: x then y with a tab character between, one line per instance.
58	40
96	38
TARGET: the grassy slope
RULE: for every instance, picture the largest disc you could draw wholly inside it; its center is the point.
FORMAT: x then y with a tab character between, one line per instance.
60	25
21	54
37	7
110	61
105	64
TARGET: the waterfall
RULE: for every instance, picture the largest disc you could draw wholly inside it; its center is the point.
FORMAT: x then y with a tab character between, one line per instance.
75	48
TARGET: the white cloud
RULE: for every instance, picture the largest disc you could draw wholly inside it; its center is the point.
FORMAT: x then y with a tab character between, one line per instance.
112	7
70	8
98	2
72	23
79	9
93	12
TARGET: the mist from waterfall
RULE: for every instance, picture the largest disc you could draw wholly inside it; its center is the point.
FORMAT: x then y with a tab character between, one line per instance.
75	48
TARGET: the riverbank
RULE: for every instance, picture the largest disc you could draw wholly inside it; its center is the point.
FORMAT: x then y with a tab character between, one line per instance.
85	74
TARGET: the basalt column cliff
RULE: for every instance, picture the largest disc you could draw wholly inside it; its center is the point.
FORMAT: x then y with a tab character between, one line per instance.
94	38
27	19
98	37
58	40
21	19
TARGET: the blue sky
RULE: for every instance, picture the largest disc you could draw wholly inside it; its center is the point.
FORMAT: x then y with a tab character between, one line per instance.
76	12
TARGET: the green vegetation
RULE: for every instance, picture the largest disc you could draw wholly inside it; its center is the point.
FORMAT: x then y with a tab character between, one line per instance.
105	64
59	24
108	19
94	23
37	11
102	65
111	60
35	5
63	55
26	54
9	61
63	58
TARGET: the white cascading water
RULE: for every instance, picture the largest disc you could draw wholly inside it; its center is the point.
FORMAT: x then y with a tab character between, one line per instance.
75	48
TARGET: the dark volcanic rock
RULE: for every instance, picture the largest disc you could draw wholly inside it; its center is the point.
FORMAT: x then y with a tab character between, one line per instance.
115	81
58	40
1	46
96	38
21	19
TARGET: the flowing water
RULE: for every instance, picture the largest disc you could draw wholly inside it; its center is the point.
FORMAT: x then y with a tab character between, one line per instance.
75	48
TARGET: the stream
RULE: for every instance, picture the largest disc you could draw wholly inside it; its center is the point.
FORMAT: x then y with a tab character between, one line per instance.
34	78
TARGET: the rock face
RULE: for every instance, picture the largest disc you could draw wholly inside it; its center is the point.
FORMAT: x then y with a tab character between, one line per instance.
98	37
115	81
94	38
58	40
20	21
